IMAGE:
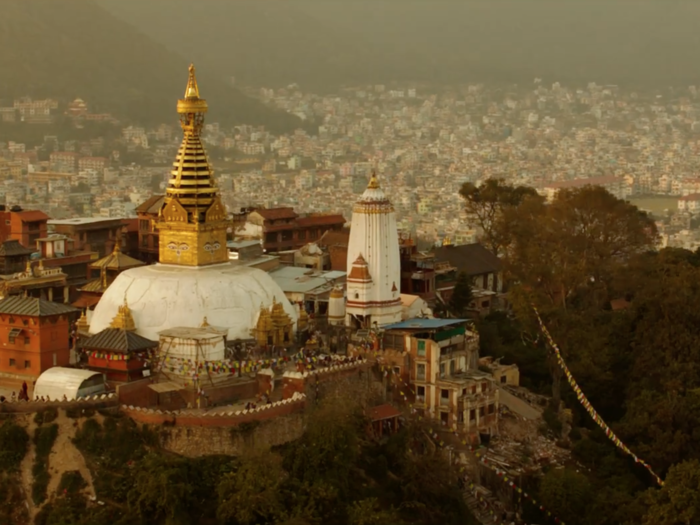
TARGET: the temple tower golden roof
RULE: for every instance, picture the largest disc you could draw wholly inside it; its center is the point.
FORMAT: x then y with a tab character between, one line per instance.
191	179
192	222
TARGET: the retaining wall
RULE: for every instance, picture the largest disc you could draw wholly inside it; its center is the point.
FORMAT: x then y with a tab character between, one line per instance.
27	407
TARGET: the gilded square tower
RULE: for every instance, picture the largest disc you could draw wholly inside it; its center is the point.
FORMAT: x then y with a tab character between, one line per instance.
193	220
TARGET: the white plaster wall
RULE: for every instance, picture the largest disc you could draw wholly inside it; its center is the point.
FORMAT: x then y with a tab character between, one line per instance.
167	296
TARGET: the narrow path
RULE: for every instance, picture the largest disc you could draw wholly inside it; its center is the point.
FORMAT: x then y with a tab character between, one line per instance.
66	457
26	466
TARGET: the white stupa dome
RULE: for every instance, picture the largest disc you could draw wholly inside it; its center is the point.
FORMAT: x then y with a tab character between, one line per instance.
164	296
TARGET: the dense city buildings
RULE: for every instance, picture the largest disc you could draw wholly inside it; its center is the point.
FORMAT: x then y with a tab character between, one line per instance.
423	144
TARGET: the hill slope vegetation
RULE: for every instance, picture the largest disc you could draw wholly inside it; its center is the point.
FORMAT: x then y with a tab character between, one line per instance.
68	49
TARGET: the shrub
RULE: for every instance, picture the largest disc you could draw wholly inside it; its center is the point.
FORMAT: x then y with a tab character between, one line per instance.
44	438
46	416
71	482
14	441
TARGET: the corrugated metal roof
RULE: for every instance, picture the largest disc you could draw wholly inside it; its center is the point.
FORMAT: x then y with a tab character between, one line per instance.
58	381
17	305
118	341
423	324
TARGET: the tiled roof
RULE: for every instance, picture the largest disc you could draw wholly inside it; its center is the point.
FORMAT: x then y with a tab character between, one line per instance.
321	220
117	261
32	216
152	205
12	247
17	305
473	259
94	286
273	214
118	340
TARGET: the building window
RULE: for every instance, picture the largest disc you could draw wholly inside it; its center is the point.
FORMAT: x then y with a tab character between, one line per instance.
481	411
420	372
503	379
460	417
442	370
490	409
452	367
27	340
420	394
27	364
12	362
444	397
13	335
421	348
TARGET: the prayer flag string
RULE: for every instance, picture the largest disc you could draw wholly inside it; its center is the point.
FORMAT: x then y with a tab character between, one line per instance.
586	404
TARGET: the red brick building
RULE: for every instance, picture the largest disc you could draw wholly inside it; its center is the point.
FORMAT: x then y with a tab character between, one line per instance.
25	226
282	229
34	335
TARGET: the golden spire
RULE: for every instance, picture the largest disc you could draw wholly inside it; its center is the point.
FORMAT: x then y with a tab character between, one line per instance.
192	108
447	241
192	223
117	248
373	182
192	90
205	323
82	325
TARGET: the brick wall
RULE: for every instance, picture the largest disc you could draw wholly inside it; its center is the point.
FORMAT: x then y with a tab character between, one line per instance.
196	441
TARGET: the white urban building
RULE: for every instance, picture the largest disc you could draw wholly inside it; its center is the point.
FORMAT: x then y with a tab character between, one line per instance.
373	294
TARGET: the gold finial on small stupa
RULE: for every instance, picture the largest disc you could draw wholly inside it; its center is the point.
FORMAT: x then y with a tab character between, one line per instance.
447	241
373	182
205	323
82	324
124	320
192	90
192	104
117	248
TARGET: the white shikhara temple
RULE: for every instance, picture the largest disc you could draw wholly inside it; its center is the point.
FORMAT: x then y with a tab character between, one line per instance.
374	265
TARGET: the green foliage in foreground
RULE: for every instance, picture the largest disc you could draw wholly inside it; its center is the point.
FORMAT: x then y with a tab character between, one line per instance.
333	474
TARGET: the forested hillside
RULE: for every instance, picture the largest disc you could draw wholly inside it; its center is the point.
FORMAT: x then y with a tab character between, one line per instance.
74	48
102	468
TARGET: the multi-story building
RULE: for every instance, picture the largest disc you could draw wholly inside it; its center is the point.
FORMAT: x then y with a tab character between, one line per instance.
90	233
34	335
25	226
97	164
433	364
282	229
64	161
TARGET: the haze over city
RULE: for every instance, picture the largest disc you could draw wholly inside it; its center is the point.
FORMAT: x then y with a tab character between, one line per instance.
357	263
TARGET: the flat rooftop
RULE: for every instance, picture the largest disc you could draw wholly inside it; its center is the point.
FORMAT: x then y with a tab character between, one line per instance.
424	324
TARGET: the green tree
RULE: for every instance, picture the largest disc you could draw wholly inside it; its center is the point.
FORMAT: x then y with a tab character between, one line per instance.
567	494
678	501
253	494
462	296
564	256
369	512
162	490
485	206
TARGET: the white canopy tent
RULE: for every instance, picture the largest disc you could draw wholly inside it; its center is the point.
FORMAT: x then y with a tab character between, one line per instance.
72	383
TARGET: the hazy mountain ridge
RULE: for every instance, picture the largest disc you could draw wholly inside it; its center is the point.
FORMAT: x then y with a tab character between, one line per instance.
329	43
70	48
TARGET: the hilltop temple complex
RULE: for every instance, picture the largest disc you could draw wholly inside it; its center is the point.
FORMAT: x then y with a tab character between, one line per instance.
194	278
